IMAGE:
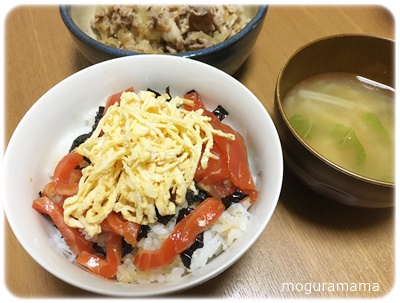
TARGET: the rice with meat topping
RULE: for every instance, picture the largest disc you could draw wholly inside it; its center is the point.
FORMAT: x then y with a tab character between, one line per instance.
167	29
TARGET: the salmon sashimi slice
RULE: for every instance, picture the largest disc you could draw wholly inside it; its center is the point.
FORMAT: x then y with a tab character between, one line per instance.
72	236
232	167
116	98
215	171
237	161
70	188
105	267
117	224
66	176
49	191
182	237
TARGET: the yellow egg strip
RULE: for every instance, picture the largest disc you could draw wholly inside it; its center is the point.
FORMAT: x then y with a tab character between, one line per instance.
144	154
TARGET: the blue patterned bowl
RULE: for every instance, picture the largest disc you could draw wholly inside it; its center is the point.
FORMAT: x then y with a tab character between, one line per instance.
227	56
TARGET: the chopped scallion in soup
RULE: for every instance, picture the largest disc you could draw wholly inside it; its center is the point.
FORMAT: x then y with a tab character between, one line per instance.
348	119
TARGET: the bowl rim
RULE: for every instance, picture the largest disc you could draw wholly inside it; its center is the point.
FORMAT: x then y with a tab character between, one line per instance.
78	33
282	113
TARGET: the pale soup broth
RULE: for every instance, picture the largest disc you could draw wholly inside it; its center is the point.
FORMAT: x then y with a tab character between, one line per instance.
348	119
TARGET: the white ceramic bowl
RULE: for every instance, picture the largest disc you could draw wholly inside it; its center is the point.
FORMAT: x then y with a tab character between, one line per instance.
48	128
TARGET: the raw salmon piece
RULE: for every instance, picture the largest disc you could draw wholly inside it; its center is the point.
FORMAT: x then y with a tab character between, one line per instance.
72	236
182	237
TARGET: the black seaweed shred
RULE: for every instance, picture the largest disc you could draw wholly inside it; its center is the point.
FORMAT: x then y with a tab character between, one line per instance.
235	197
192	197
163	219
126	248
186	256
144	230
99	115
154	92
98	249
79	140
158	94
168	92
183	212
82	138
220	112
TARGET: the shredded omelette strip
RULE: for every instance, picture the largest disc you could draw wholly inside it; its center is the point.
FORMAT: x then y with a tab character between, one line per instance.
144	154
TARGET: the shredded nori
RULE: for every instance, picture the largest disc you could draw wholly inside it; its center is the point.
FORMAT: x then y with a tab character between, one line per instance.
126	248
154	92
235	197
220	112
99	115
144	229
191	197
167	91
186	256
163	219
82	138
191	91
79	140
98	249
183	212
158	94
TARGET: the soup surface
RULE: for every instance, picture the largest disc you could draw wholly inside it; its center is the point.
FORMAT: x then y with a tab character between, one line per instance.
348	119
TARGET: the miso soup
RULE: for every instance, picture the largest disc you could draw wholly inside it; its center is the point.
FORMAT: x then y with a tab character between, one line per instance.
348	119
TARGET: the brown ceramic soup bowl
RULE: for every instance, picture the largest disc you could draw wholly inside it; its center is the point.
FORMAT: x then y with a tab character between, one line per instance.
367	56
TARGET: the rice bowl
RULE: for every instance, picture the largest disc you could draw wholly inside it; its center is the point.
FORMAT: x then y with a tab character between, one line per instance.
39	237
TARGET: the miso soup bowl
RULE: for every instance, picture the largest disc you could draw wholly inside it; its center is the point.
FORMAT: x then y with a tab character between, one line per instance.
367	56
